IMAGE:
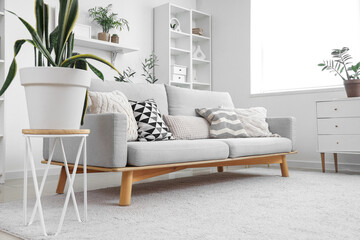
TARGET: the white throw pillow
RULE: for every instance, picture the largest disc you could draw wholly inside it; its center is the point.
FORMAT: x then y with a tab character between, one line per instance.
114	102
254	121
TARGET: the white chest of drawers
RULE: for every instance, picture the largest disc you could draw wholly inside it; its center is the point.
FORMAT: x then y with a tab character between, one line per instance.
338	127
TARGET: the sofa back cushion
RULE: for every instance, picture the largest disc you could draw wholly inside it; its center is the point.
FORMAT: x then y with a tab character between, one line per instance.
134	91
184	101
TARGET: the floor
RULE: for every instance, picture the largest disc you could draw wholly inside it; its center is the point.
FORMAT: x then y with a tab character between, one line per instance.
12	190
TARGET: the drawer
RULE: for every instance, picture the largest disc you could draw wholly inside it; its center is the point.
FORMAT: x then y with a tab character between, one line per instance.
179	70
178	78
347	108
339	126
339	143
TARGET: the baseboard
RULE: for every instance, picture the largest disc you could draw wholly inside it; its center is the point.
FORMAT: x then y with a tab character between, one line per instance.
302	164
299	164
39	172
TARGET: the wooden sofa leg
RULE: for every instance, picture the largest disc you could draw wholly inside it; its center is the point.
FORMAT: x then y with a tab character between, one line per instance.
62	181
126	187
220	169
284	167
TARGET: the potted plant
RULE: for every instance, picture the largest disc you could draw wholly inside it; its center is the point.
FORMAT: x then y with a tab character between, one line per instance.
340	66
115	38
56	87
107	20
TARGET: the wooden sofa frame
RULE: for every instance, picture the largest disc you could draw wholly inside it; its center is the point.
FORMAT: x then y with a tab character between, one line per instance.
131	174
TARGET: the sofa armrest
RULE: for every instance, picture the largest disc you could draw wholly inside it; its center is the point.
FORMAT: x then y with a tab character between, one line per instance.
285	127
106	144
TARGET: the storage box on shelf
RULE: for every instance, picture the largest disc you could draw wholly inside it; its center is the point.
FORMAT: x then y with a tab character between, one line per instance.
174	47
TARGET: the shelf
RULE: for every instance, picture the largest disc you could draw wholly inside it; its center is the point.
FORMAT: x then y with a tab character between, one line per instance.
114	48
198	38
2	60
1	99
102	45
178	51
201	84
175	34
2	13
180	83
200	61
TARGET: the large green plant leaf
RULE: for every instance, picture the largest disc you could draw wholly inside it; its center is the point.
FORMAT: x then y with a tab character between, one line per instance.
40	24
68	14
73	59
13	67
36	39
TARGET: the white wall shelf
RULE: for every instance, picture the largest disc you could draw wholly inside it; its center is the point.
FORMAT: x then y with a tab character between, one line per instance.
2	13
176	48
114	48
179	51
175	34
200	61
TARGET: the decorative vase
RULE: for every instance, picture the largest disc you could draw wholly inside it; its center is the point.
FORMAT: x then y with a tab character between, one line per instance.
55	96
103	36
352	88
115	39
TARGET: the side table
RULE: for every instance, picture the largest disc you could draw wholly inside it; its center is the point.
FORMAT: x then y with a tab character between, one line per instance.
338	127
57	136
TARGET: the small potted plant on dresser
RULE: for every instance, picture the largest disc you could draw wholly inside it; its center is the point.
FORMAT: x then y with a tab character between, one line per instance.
340	66
57	86
107	20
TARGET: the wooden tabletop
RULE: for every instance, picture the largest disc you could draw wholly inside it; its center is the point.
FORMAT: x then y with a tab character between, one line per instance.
55	131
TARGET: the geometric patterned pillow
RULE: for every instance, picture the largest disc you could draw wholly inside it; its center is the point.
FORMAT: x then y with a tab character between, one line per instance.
151	126
224	123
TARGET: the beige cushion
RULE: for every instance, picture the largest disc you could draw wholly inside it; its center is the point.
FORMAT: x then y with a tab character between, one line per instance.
114	102
254	121
187	127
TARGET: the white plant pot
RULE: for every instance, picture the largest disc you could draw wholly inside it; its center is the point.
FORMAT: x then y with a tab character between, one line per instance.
55	96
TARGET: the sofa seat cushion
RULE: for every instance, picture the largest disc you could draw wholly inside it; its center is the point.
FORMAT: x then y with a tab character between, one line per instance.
241	147
176	151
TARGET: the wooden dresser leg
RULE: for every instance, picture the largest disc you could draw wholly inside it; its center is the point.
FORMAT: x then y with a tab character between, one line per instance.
323	161
126	187
284	167
220	169
336	162
62	181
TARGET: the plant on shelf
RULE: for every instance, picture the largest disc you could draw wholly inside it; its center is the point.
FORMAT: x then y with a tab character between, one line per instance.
341	66
56	87
107	20
125	75
148	68
115	38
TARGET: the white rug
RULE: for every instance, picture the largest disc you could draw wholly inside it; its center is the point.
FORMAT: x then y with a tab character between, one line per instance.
253	203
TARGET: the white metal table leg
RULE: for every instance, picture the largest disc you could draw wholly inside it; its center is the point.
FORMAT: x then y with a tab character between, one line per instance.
36	186
71	182
25	183
69	177
85	178
43	179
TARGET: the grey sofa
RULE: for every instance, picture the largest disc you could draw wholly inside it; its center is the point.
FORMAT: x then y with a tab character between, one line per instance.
108	149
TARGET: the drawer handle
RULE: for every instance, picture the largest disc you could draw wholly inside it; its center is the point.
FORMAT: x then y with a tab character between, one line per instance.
336	126
337	142
335	109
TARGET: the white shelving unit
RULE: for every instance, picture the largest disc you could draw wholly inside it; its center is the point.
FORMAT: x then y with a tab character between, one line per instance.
2	98
113	48
176	48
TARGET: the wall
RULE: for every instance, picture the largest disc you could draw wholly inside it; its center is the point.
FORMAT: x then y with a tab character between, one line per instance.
231	72
138	13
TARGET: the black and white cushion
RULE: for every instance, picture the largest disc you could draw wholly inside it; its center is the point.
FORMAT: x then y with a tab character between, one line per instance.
224	123
151	126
